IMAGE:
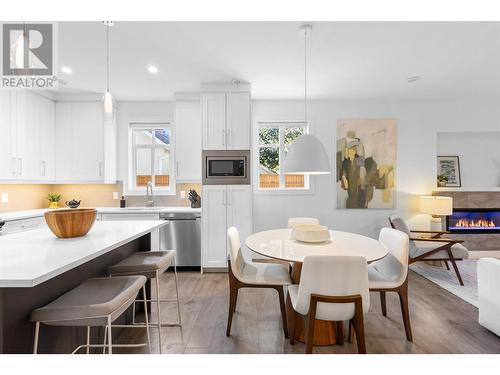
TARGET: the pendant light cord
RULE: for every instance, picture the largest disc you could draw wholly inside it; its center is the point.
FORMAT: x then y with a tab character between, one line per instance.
107	57
305	74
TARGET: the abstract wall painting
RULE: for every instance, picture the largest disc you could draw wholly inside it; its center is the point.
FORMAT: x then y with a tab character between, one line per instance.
366	163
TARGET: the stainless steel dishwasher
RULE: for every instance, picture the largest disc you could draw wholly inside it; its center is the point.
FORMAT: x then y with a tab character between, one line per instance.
183	233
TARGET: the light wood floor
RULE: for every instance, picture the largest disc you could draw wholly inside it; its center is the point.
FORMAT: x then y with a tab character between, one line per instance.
441	322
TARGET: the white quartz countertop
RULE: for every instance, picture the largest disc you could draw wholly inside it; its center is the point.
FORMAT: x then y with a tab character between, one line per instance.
27	260
28	214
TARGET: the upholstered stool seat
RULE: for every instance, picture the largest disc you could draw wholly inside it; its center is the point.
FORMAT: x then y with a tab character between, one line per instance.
144	263
95	302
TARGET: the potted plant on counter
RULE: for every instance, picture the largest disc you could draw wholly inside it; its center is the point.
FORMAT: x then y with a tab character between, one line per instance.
54	200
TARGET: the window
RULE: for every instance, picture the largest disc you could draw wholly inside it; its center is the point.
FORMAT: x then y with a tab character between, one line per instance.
274	139
151	156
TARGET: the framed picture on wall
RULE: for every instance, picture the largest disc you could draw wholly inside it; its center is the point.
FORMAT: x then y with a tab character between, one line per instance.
448	171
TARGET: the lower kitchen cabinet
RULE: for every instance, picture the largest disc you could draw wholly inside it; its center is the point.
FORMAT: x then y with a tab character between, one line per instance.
224	206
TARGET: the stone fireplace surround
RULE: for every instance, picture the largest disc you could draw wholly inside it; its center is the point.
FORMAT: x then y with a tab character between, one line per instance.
475	199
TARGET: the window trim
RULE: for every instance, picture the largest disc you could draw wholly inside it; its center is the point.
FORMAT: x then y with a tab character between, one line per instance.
256	146
132	189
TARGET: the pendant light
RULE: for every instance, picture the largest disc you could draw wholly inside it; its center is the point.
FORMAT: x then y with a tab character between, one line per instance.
108	98
306	154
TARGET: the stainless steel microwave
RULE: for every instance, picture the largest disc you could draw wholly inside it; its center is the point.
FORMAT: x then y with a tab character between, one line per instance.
226	167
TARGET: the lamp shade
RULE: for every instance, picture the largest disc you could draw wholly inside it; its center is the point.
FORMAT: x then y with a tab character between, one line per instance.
438	206
307	156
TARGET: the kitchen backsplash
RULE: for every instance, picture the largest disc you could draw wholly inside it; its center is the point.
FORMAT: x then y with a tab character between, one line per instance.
28	197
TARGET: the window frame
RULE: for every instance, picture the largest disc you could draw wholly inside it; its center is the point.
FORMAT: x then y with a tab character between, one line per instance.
282	190
132	188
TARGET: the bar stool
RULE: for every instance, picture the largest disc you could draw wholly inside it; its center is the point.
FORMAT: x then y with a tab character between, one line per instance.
151	264
95	302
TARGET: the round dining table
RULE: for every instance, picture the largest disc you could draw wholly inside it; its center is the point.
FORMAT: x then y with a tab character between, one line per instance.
278	244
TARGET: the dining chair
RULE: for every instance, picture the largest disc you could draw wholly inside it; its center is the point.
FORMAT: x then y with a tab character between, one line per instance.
332	288
432	248
302	220
390	274
244	274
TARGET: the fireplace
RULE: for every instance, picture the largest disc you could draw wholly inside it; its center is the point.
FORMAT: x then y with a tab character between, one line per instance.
474	220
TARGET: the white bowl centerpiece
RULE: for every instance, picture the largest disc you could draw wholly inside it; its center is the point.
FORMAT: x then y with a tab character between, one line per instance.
311	233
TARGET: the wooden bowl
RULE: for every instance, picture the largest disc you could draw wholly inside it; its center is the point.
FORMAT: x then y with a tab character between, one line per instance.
71	222
311	233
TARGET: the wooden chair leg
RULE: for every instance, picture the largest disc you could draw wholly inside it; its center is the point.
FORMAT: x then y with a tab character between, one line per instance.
454	265
233	296
383	303
281	295
403	299
447	265
309	333
359	328
290	317
349	333
340	332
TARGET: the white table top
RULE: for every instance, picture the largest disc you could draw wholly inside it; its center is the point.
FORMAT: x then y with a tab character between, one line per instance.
31	257
278	244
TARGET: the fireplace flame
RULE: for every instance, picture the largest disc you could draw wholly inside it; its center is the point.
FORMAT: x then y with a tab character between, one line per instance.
478	223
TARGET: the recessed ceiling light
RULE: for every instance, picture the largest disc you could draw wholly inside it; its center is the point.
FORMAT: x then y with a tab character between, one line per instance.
414	79
152	69
66	70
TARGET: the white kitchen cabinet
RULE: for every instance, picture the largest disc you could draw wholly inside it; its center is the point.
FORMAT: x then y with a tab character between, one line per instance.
238	121
188	141
155	235
214	121
86	143
223	206
47	121
27	144
6	161
226	121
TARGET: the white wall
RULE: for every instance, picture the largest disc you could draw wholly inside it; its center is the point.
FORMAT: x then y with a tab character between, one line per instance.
137	112
479	156
419	123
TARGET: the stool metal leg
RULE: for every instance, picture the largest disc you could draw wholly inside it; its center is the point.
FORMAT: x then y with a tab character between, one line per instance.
158	307
88	339
110	335
146	317
37	334
105	338
177	291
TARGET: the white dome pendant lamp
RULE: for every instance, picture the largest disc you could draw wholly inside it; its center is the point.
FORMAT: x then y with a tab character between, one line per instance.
108	98
306	154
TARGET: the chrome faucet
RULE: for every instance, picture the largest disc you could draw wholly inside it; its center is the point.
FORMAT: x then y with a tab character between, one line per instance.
150	202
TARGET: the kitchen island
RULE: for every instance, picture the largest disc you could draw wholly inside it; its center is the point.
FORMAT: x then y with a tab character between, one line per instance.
36	268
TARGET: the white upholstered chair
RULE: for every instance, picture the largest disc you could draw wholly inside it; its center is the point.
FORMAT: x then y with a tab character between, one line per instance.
302	220
488	284
332	288
243	274
432	248
390	274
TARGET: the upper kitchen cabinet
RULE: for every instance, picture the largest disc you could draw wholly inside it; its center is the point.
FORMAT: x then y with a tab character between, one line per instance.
226	121
86	141
27	141
188	141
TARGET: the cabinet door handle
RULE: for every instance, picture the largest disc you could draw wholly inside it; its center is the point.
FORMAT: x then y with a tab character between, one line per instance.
224	198
223	137
43	168
178	169
228	137
229	201
100	169
13	162
19	166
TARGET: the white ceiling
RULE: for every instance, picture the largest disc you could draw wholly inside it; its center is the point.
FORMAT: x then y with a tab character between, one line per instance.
346	59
